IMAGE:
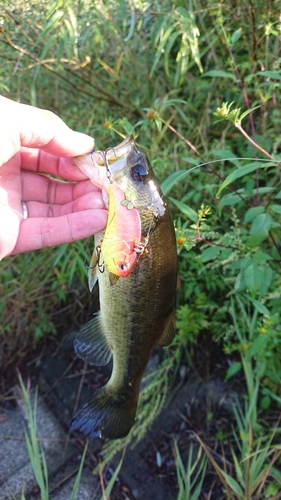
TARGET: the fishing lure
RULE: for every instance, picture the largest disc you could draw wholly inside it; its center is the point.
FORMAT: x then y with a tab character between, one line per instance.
122	239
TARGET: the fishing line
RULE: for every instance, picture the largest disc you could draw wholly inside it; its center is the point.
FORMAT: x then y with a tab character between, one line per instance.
209	163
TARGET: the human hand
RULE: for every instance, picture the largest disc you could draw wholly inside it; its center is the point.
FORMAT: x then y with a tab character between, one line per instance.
35	142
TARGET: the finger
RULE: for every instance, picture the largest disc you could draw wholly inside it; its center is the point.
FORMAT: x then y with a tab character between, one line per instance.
85	202
33	127
36	160
46	232
43	189
9	228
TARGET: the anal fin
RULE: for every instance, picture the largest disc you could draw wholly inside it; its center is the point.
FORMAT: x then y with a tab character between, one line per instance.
91	343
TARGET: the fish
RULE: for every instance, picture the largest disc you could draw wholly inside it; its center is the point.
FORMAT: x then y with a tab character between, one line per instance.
137	311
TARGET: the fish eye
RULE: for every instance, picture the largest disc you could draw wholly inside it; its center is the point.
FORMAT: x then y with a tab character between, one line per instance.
123	266
139	172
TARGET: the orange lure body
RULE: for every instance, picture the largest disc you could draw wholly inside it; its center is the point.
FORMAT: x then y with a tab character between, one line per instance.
119	247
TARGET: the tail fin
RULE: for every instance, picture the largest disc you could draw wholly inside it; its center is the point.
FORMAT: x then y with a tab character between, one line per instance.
105	415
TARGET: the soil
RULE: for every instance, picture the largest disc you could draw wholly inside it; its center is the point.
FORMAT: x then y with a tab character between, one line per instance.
201	407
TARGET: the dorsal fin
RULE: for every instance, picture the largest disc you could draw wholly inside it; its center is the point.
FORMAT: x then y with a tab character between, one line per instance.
170	331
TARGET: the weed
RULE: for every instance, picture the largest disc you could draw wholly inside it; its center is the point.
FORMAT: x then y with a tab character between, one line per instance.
198	83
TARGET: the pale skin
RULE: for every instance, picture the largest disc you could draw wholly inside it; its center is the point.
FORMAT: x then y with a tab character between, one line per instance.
34	142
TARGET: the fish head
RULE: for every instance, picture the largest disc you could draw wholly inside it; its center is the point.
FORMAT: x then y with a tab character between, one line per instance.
129	168
131	171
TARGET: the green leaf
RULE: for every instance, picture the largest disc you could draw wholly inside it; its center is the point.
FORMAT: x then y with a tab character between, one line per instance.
260	307
246	169
265	402
259	230
232	483
266	279
168	183
51	25
168	49
227	155
244	436
228	199
235	36
252	213
261	257
113	479
183	12
246	113
232	370
186	210
220	74
271	489
275	208
274	75
210	253
170	102
132	24
252	277
79	474
189	159
226	252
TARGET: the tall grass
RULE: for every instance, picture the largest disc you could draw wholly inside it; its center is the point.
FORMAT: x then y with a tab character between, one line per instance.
198	83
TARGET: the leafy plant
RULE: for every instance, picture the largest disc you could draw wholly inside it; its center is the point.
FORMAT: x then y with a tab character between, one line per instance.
198	83
35	449
190	479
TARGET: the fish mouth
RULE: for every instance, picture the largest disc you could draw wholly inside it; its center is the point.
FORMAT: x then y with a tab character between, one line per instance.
111	155
99	166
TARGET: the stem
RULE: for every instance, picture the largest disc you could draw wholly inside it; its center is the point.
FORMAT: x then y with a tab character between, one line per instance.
182	137
243	88
243	132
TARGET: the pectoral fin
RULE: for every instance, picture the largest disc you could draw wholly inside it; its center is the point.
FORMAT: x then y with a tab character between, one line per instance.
170	331
91	343
113	278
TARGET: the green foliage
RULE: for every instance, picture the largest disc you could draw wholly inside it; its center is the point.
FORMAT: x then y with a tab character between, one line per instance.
190	479
198	84
256	475
37	285
192	320
35	448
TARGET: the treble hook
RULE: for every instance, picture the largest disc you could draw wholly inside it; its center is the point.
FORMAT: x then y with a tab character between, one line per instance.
99	262
103	155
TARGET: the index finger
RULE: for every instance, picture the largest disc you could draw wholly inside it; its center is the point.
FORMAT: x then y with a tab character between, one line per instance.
36	160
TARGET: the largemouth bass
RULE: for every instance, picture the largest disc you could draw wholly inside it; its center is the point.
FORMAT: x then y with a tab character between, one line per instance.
136	311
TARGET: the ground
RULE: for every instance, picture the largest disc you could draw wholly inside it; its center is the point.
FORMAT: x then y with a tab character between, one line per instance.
201	406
